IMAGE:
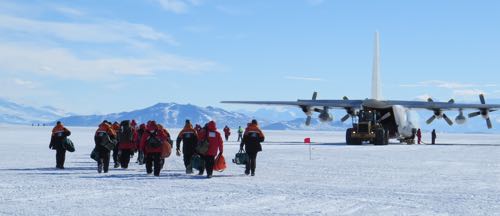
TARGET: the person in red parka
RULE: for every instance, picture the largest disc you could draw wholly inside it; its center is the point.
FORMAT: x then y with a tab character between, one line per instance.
127	136
151	144
215	144
419	136
227	132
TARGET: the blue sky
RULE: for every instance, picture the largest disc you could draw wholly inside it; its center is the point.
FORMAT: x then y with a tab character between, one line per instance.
109	56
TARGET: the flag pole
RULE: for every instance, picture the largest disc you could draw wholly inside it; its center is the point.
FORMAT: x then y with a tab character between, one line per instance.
310	154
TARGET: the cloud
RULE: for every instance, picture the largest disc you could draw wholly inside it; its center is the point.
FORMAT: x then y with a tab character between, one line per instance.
69	11
24	83
467	92
439	84
61	63
178	6
304	78
20	89
105	31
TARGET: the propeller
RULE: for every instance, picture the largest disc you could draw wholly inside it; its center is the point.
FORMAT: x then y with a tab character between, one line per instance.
384	117
350	111
307	110
438	113
483	112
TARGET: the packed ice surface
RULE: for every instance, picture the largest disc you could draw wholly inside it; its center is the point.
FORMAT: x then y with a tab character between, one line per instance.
461	177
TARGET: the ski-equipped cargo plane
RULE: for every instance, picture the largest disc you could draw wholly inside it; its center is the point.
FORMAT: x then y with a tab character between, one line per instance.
376	120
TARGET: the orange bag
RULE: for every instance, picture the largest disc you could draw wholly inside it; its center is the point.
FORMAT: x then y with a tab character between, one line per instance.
166	150
220	164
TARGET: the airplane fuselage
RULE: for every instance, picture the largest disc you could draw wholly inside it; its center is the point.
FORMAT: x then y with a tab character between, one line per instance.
399	123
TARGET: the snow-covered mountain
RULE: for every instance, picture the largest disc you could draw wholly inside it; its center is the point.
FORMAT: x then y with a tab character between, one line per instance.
299	124
14	113
172	115
275	114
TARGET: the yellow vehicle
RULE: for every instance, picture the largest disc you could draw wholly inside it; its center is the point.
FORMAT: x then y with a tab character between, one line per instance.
366	128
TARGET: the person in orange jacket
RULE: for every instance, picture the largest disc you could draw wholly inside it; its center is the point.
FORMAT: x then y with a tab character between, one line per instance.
151	142
104	133
215	144
227	132
189	138
59	134
252	139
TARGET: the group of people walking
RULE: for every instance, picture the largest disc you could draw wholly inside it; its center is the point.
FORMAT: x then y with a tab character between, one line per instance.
152	142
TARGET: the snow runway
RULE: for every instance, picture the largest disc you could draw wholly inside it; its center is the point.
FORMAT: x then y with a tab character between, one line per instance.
462	178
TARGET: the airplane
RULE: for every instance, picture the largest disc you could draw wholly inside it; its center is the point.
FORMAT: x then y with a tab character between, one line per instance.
376	120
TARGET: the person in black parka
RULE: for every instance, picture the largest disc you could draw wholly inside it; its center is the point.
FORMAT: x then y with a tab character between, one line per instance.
59	135
252	139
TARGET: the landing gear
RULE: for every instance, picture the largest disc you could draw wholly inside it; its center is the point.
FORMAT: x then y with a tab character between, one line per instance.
381	137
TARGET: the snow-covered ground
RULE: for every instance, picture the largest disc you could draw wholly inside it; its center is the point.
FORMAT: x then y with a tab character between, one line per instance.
461	177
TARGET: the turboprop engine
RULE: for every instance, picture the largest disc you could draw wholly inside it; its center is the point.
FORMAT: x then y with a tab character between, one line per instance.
460	119
325	116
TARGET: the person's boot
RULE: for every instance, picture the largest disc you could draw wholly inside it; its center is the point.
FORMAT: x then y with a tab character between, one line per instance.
200	173
99	168
117	165
189	169
247	172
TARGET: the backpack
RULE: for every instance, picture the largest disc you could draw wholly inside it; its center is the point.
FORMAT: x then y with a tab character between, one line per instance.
126	133
152	141
103	139
202	146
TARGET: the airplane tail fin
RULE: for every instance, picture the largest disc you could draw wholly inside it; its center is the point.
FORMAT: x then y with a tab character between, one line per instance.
376	93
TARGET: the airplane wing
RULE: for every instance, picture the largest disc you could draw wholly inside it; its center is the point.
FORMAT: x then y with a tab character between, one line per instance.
340	104
442	105
309	106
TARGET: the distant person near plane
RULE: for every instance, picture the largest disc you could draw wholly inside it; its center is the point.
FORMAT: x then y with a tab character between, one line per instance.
59	134
419	136
227	132
433	134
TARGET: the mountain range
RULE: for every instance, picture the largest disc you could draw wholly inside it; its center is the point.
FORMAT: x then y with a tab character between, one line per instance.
173	115
14	113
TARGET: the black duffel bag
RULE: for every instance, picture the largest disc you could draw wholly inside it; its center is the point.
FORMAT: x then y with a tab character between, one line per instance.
68	145
241	158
